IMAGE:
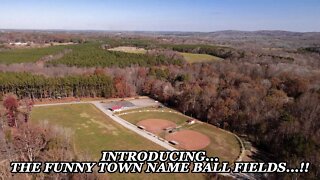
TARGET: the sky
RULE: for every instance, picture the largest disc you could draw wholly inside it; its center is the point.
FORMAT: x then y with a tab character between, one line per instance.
161	15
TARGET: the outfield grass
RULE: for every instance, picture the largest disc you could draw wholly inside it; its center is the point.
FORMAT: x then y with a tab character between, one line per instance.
27	55
94	132
151	108
196	58
134	118
223	144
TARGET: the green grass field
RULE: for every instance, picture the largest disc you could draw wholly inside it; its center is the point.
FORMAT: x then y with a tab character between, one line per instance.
223	145
94	132
90	54
134	118
165	109
196	58
189	57
27	55
128	49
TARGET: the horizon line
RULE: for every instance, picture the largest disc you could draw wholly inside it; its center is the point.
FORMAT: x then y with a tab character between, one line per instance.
152	31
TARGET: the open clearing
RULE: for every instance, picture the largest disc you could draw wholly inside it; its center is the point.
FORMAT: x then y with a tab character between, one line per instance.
222	144
196	58
129	49
189	57
94	132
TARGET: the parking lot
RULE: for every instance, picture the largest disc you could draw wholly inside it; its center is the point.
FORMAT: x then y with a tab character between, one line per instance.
130	104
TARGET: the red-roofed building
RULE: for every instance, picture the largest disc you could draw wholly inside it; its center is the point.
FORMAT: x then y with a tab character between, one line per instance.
116	108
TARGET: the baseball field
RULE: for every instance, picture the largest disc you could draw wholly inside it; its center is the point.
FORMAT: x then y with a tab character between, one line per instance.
184	132
93	132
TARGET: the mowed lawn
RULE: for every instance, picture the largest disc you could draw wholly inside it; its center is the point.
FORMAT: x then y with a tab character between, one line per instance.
134	118
196	58
128	49
27	55
223	144
94	132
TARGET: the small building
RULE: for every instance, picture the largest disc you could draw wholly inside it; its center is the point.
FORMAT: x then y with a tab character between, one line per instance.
116	108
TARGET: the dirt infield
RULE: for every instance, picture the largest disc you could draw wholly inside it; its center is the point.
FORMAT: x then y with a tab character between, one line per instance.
189	140
156	126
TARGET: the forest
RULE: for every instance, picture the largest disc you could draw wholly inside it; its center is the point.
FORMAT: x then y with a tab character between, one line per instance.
28	142
214	50
279	113
92	55
312	49
14	56
218	51
269	96
38	87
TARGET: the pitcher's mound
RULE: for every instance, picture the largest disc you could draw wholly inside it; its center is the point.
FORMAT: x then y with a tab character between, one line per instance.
189	140
156	126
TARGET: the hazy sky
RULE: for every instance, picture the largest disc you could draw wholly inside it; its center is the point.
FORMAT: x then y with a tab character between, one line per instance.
161	15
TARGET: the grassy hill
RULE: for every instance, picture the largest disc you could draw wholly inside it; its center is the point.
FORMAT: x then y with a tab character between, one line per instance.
196	58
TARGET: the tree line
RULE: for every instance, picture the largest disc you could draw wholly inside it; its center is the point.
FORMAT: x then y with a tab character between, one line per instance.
38	86
277	112
214	50
218	51
23	141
